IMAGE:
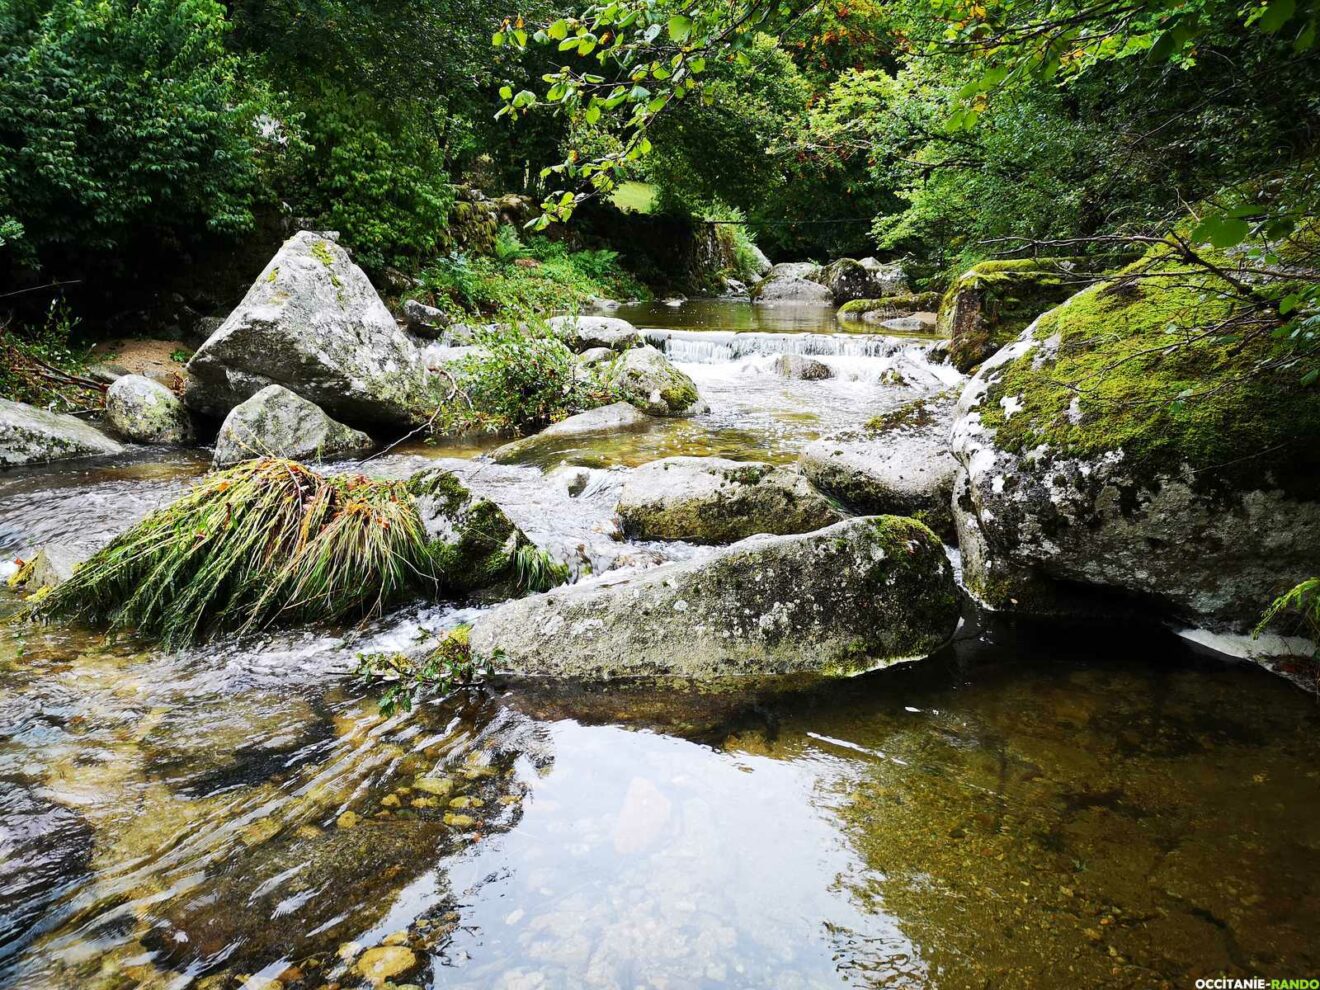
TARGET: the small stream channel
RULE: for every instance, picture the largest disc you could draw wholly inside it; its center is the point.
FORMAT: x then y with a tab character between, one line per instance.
1035	806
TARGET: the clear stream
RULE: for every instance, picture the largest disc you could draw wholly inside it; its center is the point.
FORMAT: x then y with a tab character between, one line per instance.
1036	806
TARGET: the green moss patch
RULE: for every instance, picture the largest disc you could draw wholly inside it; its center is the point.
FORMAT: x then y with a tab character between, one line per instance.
902	304
1165	365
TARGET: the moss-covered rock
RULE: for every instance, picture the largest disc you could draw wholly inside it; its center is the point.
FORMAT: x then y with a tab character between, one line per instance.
991	303
1141	437
891	307
859	595
277	423
848	279
715	500
145	411
649	380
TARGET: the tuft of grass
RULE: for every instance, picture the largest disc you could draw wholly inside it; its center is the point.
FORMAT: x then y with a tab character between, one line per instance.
266	541
534	569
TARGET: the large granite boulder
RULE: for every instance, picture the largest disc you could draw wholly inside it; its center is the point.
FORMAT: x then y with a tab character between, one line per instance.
582	333
848	279
990	304
649	380
1101	450
277	423
313	323
145	411
792	282
858	595
900	463
715	500
614	418
33	436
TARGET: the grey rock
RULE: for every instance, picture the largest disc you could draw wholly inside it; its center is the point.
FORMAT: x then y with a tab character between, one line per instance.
145	411
277	423
1037	523
650	381
762	263
313	323
715	500
595	355
799	366
51	567
862	594
425	321
905	467
792	282
916	323
848	279
33	436
582	333
616	417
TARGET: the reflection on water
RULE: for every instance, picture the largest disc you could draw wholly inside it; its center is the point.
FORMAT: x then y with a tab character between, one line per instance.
1038	809
725	314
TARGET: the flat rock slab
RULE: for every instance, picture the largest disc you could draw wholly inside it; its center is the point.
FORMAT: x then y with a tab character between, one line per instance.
903	466
715	500
616	417
862	594
33	436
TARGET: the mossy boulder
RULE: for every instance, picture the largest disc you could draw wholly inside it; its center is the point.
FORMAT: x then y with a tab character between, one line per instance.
855	596
1142	437
990	304
473	544
849	279
33	436
313	323
145	411
900	463
890	307
649	380
715	500
277	423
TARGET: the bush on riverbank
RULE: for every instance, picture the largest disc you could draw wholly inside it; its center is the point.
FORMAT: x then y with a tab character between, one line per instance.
541	276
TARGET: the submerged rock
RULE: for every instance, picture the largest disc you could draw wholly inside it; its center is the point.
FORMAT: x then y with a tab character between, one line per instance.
145	411
617	416
582	333
50	568
313	323
862	594
991	303
277	423
33	436
714	500
800	366
901	463
1100	450
651	382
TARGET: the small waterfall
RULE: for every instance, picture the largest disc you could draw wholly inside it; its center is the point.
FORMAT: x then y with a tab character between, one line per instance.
713	347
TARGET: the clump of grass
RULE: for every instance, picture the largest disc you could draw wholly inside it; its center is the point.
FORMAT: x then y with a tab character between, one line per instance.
266	541
534	569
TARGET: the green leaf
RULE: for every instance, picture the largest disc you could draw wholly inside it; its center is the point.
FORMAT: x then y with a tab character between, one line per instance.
1221	231
680	27
1278	13
506	92
593	114
497	39
558	30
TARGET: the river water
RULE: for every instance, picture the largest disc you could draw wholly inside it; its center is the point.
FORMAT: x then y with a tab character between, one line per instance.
1035	806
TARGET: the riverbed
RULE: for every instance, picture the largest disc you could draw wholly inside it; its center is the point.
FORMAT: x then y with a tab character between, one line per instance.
1035	806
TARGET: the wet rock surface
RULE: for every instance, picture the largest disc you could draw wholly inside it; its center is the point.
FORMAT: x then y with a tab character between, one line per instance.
649	380
34	436
605	419
851	597
715	500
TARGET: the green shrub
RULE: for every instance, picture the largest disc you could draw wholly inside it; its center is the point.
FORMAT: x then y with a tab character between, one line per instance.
133	121
521	378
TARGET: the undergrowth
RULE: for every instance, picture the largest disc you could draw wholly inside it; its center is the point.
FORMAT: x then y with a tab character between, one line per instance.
537	276
40	365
